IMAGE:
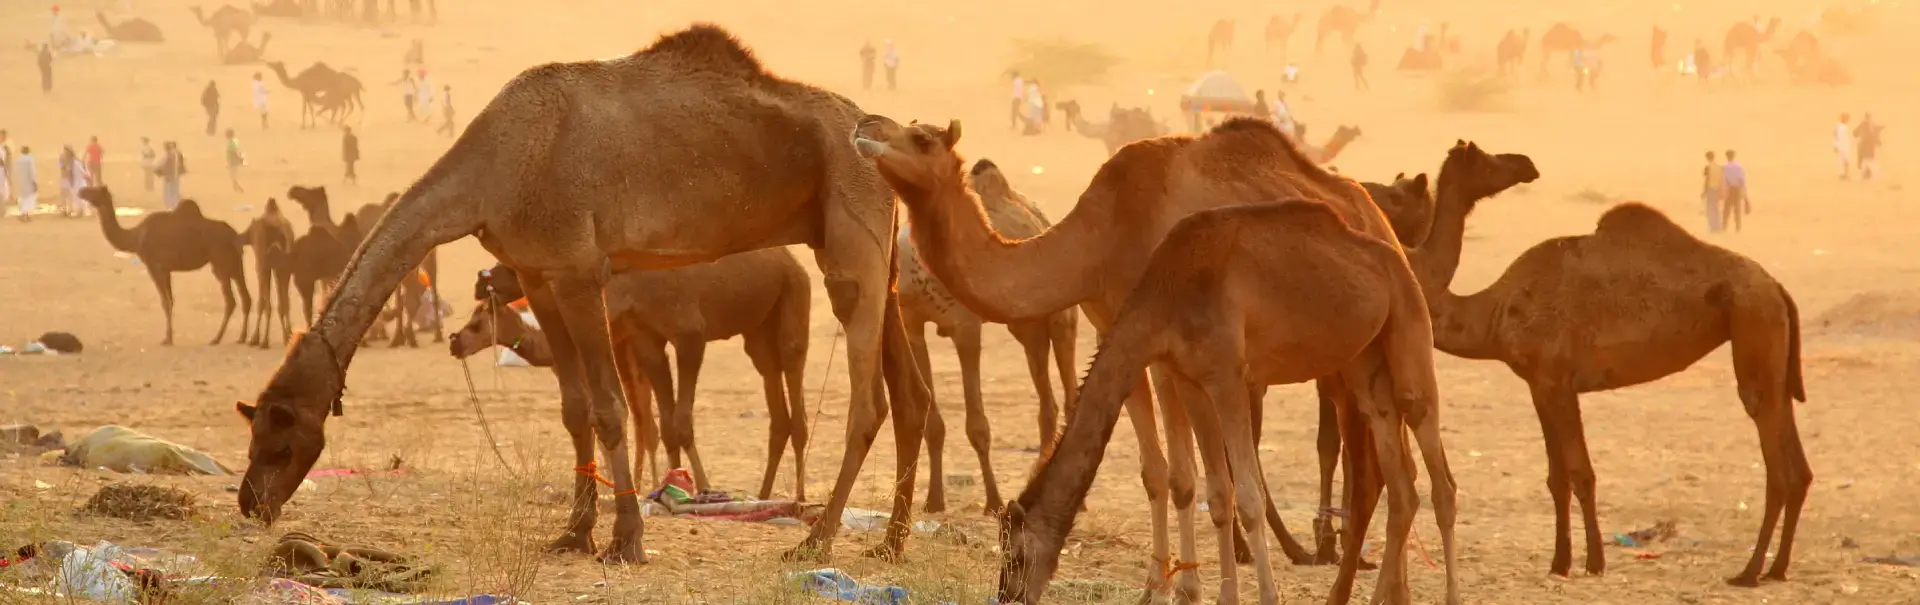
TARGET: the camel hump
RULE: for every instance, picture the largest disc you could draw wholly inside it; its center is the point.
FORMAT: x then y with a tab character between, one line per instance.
1635	218
189	208
1244	125
707	46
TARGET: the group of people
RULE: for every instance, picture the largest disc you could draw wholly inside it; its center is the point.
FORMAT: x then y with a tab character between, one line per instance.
1029	111
891	60
1723	190
1857	146
20	175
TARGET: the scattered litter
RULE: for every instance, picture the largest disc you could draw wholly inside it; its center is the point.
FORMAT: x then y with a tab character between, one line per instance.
125	450
38	484
141	502
90	573
302	557
834	584
1660	531
1892	560
1646	556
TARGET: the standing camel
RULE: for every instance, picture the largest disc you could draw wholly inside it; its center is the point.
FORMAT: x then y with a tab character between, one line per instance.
318	259
1684	298
314	200
568	195
226	23
178	241
1095	255
1746	37
1219	38
321	88
1512	49
761	296
924	300
1563	38
1343	20
271	237
1280	31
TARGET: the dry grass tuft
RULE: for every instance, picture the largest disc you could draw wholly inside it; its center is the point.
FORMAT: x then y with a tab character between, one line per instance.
138	502
1473	89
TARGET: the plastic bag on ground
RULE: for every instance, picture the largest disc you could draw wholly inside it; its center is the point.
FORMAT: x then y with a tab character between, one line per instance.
126	450
89	573
834	584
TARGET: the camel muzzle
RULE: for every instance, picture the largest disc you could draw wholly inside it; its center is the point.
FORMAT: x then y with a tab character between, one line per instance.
869	148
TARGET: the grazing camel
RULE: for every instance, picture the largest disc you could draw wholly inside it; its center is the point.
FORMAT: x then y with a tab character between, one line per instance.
1219	38
1343	20
178	241
318	258
272	240
924	300
244	53
1122	126
1685	299
314	200
131	29
1280	31
779	172
226	23
1095	255
762	296
1563	38
1512	48
1746	37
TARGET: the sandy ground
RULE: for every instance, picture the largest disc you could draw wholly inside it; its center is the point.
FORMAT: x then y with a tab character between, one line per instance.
1677	449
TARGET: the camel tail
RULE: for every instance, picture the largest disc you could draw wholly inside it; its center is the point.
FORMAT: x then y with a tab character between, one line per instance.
1796	383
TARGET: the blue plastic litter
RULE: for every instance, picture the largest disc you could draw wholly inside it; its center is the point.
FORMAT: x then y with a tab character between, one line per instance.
833	584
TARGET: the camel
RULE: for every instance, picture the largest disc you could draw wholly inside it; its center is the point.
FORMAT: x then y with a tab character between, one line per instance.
1512	48
1342	20
1430	58
226	23
1408	206
243	52
1657	49
272	240
762	296
321	88
1807	64
1094	256
1219	38
1563	38
131	29
288	9
178	241
1324	154
1123	126
314	200
924	300
318	258
1746	37
1280	31
568	196
1542	319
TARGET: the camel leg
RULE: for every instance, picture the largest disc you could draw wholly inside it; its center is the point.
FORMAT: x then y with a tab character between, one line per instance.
1064	330
583	309
1408	346
1231	408
1296	554
1361	496
766	361
646	435
1328	389
792	337
1203	417
226	293
1373	389
1579	470
1034	342
264	273
284	278
1155	476
935	432
652	354
575	413
966	341
306	300
1549	403
1177	398
909	405
163	284
1760	366
689	352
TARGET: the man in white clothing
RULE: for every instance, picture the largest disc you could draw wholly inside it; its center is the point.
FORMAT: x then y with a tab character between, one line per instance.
1282	115
1019	98
260	98
27	181
1843	145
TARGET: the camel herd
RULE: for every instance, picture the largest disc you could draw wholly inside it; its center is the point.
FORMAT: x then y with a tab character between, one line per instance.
1206	286
323	89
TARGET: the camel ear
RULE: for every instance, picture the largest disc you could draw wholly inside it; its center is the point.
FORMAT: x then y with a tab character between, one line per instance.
1399	175
1459	142
1420	181
1473	146
246	411
953	132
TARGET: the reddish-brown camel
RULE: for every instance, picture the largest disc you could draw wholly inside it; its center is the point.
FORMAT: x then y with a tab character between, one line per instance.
1512	49
924	300
314	200
1745	38
762	296
569	196
271	237
1563	38
318	259
1343	20
1219	38
1280	32
178	241
1543	319
1094	255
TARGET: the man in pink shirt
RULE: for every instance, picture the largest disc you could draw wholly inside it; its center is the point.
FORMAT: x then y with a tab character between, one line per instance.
94	156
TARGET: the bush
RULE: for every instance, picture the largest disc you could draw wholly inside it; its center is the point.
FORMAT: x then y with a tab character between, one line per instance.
1059	64
1473	89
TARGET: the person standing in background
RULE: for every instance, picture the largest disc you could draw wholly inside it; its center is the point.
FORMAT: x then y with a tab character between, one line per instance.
6	169
210	101
148	161
1736	204
1712	189
1019	99
892	61
1867	134
95	158
1843	146
29	184
260	99
173	165
446	100
423	94
73	177
350	152
46	68
866	65
1359	68
406	90
235	159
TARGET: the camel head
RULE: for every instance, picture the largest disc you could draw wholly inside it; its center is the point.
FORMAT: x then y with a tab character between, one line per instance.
1408	204
915	158
498	283
1479	174
311	199
492	323
1070	109
1028	557
288	422
100	197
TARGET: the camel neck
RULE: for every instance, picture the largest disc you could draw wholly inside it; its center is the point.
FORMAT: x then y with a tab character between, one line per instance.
531	345
1339	141
1459	322
119	237
1004	280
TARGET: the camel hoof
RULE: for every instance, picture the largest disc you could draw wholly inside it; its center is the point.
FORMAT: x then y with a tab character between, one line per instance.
885	552
572	543
810	551
1597	567
1744	581
623	552
1153	597
1778	575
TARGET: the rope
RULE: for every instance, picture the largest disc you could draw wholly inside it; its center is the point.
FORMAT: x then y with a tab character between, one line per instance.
473	396
820	397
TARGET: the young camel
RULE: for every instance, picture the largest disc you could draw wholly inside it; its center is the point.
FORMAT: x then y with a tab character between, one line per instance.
1542	318
178	241
762	296
562	177
923	300
271	237
1095	255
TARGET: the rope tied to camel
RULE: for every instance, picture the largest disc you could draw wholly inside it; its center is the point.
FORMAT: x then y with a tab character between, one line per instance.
591	470
1172	566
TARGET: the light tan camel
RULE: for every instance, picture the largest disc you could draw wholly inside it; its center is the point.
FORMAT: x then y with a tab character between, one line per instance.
178	241
1563	38
272	240
1280	31
1672	299
1122	126
924	300
762	296
569	197
1324	154
1746	37
244	52
1095	255
226	22
1342	20
1219	38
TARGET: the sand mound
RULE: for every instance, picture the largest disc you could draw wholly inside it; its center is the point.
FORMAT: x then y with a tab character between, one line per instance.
1874	314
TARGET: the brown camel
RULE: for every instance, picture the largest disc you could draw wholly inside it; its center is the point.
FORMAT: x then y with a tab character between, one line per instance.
781	174
1746	37
314	200
226	23
1324	154
1280	31
1807	64
1563	38
1122	126
1343	20
322	89
1684	299
279	8
131	29
178	241
924	300
318	259
1512	48
1219	38
243	52
761	296
271	237
1408	205
1094	256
